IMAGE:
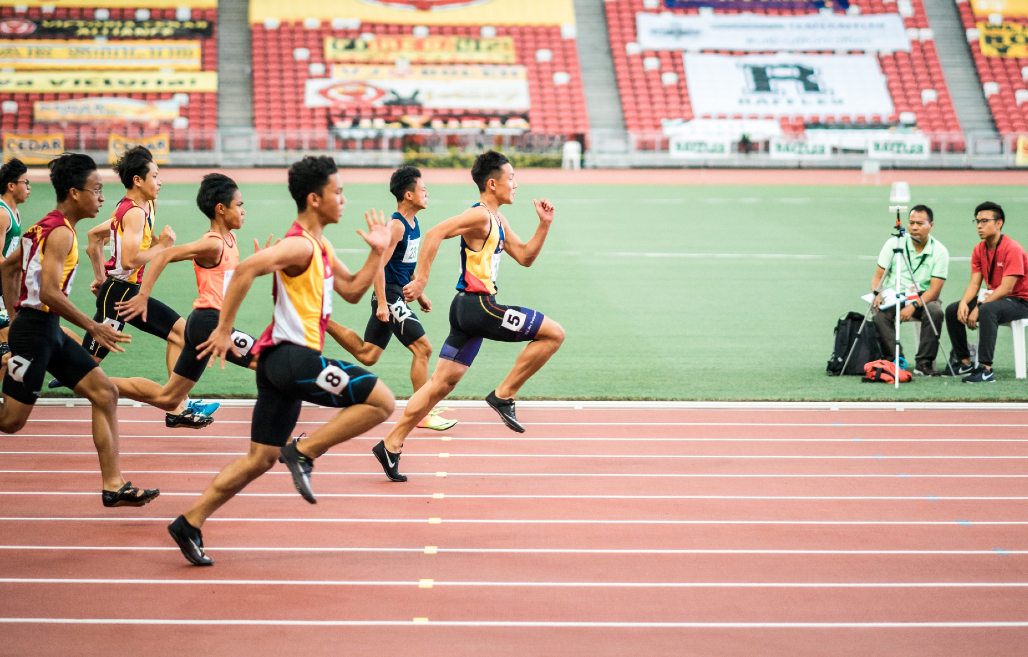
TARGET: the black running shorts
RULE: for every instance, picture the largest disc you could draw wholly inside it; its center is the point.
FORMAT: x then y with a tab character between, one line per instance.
199	326
160	318
403	323
474	317
38	345
288	375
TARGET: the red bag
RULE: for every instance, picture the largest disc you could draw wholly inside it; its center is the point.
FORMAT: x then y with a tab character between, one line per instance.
884	371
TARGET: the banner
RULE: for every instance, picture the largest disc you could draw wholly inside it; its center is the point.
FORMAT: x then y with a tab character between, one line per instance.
181	55
899	147
757	5
792	149
158	145
421	12
501	88
1006	40
1021	159
771	33
98	110
107	81
1007	8
695	148
128	4
426	50
786	85
70	27
351	122
33	149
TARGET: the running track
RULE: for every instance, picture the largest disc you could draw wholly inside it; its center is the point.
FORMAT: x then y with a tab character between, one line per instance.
598	532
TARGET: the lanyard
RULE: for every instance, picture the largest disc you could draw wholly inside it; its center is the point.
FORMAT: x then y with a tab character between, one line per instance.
992	265
920	261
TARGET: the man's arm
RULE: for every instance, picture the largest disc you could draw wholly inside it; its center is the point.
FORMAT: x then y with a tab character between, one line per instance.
526	253
963	311
473	222
132	238
10	275
351	287
934	290
876	280
96	238
206	248
55	252
395	235
1006	286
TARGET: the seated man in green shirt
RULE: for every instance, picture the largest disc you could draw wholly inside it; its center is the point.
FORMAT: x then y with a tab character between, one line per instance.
929	261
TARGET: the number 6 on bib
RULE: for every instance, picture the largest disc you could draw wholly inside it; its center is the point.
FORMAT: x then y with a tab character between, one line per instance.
241	343
333	379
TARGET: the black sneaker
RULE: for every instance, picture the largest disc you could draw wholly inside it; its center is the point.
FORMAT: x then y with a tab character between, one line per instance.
505	407
300	466
187	419
980	375
54	383
926	370
958	368
390	462
190	541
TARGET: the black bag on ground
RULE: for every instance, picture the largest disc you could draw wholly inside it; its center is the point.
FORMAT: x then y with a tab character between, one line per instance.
867	347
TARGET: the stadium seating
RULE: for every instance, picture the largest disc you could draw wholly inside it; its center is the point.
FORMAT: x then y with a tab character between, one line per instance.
202	110
281	118
646	100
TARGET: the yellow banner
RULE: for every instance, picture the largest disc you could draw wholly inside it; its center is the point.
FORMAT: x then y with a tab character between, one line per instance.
159	146
421	12
26	54
98	110
130	4
426	50
1022	152
33	149
1008	8
108	82
1006	40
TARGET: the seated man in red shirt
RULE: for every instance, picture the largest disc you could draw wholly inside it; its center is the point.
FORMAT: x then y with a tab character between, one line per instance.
1001	263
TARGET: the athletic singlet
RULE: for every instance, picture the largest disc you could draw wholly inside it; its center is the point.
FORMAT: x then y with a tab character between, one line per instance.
400	267
113	266
303	303
33	244
478	269
11	238
212	282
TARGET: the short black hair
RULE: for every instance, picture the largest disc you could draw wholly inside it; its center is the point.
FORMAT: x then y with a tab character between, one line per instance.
997	212
403	180
216	188
68	171
10	172
485	167
309	176
135	162
923	208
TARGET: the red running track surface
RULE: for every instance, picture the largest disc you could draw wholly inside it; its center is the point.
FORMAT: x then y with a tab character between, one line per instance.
597	532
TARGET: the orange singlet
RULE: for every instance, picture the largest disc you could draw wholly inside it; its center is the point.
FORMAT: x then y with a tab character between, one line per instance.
212	282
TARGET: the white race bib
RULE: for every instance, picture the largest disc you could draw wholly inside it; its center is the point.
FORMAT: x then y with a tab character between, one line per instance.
114	323
333	379
241	343
400	311
228	279
496	265
16	368
326	303
411	255
513	320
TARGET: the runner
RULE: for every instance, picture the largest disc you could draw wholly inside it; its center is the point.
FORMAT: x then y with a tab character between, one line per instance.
474	314
131	234
290	367
50	254
215	257
394	317
14	190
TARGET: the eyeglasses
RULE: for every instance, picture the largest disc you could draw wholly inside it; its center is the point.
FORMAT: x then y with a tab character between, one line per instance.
981	222
25	182
98	192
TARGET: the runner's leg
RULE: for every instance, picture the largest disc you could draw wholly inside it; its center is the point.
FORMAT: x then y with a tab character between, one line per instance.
532	357
422	351
365	352
232	479
14	415
445	378
103	397
170	397
349	422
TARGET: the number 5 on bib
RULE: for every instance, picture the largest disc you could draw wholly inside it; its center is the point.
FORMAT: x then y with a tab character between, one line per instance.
513	320
333	379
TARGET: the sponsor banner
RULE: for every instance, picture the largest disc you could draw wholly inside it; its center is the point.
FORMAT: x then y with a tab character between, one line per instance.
786	85
426	50
158	145
1006	40
1006	8
69	27
108	81
98	110
36	54
457	122
33	149
421	12
791	149
1022	152
771	33
500	88
899	147
752	5
697	148
129	4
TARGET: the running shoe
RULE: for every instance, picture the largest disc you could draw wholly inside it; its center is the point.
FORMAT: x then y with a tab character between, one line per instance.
958	368
201	408
980	375
434	421
129	495
190	541
505	407
926	370
300	466
187	419
54	383
5	348
390	462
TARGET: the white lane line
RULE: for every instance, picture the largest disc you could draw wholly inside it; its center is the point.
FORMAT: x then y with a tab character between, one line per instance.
435	455
436	583
729	256
568	624
819	425
571	551
554	521
912	498
323	473
520	438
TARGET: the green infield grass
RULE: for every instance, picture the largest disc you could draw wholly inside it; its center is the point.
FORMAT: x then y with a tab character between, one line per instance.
697	292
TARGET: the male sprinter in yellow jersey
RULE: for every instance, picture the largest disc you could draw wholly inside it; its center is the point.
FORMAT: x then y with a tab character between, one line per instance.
290	366
38	274
474	313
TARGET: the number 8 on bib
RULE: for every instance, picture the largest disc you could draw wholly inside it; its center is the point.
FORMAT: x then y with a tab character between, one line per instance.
332	379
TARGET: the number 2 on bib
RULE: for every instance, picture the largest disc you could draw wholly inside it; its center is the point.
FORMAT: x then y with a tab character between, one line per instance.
333	379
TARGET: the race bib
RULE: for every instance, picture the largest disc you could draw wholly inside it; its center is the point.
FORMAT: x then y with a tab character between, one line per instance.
241	343
333	379
400	311
114	323
16	368
496	265
411	254
513	320
326	300
982	293
228	279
